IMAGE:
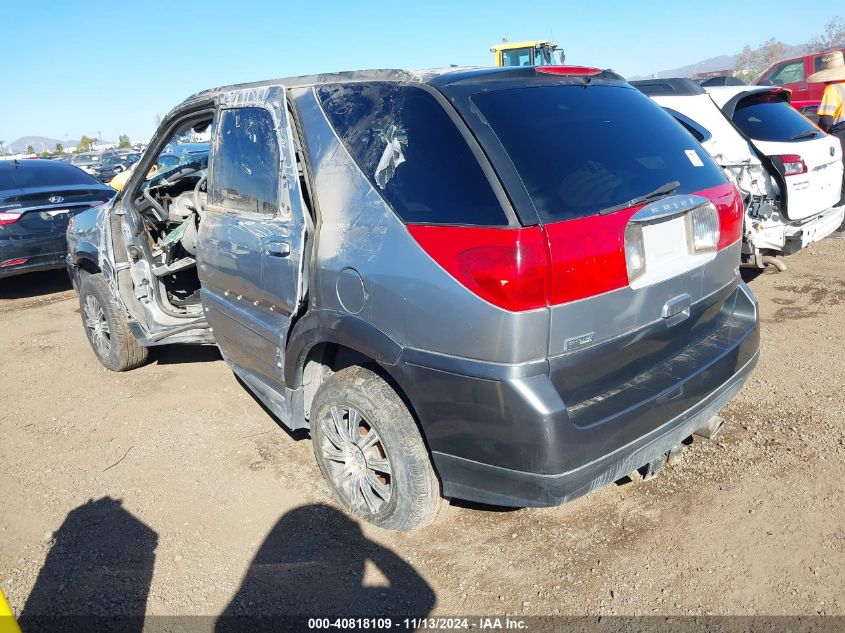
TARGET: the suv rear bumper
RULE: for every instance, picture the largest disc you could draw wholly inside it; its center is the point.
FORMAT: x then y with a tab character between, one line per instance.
791	237
801	234
504	436
484	483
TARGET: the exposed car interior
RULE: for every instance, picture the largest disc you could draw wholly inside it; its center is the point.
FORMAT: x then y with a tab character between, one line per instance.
171	203
172	198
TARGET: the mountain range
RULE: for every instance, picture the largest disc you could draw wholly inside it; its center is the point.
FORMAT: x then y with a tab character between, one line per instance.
721	62
40	143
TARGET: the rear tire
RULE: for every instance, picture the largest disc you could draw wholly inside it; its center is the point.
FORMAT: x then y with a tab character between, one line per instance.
106	326
371	453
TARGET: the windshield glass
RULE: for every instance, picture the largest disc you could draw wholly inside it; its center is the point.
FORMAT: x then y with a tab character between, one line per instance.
580	149
770	118
549	56
85	158
517	57
179	158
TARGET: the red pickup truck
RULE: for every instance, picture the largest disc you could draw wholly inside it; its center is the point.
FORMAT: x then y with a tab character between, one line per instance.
792	73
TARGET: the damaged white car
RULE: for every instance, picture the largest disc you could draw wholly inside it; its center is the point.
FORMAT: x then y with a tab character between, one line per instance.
788	171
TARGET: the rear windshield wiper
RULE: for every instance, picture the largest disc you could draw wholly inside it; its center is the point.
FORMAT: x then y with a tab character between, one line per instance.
806	134
661	192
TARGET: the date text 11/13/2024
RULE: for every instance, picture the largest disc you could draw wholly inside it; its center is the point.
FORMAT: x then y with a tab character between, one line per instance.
416	624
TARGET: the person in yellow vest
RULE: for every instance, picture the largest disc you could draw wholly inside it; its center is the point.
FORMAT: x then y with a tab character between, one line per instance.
832	108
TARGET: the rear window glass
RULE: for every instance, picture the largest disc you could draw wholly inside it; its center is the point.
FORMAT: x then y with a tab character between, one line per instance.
582	149
32	173
412	153
768	118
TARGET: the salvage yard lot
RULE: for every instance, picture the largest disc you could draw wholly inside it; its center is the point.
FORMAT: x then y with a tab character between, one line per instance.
223	511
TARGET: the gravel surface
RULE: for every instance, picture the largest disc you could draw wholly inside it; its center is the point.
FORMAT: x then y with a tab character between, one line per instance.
169	490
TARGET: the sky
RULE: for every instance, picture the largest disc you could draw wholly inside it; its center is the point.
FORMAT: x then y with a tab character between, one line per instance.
78	67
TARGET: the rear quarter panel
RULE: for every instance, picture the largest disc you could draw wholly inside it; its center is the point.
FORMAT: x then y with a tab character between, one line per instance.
401	291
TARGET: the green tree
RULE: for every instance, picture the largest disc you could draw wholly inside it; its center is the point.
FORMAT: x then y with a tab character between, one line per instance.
59	149
30	149
85	144
833	37
45	154
752	61
123	142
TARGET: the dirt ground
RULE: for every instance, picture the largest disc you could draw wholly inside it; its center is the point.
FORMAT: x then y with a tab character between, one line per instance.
169	491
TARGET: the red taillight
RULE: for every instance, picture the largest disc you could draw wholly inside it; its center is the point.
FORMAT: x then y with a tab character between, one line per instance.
731	211
575	71
14	262
9	217
793	164
507	267
588	255
531	267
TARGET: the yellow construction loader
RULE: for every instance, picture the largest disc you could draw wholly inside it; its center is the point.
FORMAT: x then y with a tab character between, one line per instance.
532	53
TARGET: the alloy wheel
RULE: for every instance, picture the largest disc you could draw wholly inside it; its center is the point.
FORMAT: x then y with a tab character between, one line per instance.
98	325
355	459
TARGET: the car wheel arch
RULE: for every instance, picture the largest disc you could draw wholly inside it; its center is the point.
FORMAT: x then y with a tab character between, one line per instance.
87	265
326	327
324	342
325	359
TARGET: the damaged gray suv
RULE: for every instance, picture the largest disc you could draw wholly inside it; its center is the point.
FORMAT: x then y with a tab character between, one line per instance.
508	285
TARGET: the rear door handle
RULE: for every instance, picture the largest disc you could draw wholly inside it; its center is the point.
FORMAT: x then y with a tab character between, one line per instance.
277	249
676	309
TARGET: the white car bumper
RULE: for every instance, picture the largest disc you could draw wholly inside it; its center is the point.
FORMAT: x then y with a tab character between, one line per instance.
791	238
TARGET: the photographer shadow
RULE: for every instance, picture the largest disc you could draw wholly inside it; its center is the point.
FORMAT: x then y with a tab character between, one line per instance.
312	564
97	574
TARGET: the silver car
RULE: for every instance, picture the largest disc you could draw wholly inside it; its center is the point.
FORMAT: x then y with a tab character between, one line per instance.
87	161
504	285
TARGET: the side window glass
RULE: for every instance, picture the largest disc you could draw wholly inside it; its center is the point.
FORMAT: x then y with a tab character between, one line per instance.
412	153
245	169
817	61
787	73
517	57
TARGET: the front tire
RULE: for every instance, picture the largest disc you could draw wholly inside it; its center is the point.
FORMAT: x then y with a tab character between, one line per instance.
106	326
371	453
